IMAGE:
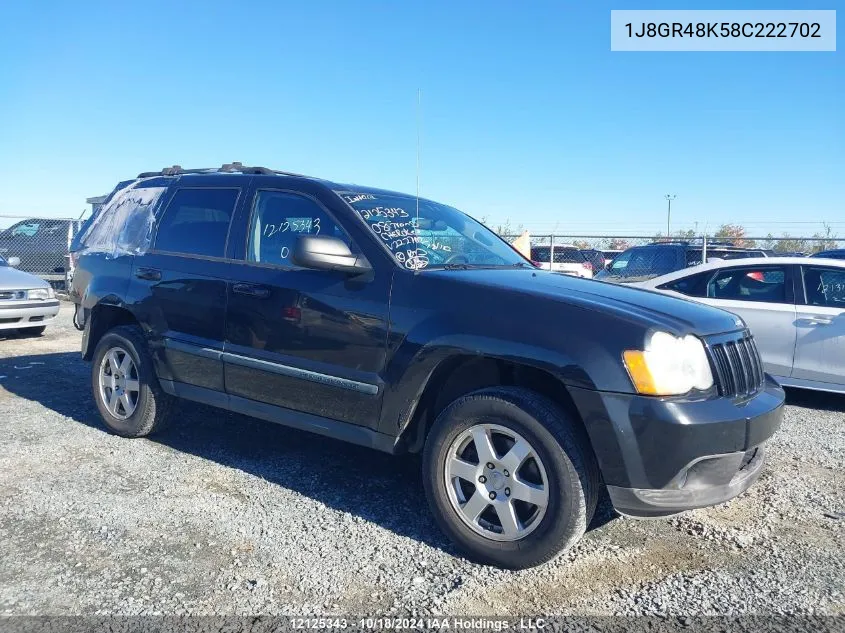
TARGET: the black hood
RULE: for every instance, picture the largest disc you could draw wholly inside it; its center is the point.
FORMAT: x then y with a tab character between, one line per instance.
650	309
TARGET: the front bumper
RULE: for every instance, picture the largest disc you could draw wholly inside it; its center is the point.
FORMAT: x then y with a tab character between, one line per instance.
23	314
661	456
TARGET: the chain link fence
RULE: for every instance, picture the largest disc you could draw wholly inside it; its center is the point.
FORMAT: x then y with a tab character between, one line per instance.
587	255
39	245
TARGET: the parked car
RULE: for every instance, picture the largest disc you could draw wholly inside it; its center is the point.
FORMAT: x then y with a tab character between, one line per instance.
794	306
41	245
595	257
609	255
27	303
639	263
838	253
404	325
567	259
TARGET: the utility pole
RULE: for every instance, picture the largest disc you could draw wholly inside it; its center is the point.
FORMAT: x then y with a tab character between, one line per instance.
669	197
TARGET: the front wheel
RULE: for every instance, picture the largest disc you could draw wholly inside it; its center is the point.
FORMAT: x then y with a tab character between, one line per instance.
510	477
126	389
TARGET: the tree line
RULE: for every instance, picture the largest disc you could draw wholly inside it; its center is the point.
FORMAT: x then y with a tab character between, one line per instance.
733	234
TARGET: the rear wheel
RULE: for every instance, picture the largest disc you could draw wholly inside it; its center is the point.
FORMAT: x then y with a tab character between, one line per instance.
126	389
511	479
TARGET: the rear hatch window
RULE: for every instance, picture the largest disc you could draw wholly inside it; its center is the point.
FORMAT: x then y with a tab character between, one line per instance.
641	263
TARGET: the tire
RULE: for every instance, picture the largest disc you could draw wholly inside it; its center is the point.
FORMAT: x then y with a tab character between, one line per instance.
571	477
151	404
32	331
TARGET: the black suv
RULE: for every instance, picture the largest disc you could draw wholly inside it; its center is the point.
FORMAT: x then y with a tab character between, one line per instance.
838	253
404	325
639	263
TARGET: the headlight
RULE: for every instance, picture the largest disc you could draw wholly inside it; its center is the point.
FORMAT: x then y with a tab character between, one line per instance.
40	293
669	366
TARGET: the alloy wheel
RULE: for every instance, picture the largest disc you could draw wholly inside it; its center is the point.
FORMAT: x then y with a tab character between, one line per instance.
118	383
496	482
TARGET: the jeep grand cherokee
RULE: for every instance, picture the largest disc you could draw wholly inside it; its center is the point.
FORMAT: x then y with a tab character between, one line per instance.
403	324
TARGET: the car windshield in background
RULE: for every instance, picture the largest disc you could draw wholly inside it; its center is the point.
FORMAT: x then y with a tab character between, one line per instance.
640	263
432	235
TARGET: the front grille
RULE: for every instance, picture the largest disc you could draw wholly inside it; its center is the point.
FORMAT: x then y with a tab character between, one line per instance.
12	295
736	364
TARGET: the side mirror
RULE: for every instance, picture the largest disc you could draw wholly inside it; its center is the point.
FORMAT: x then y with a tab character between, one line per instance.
323	252
14	262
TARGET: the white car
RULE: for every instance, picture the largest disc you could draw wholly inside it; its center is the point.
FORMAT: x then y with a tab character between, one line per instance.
567	259
795	307
27	302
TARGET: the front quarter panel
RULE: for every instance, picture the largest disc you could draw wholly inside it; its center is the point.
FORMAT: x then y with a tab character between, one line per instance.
434	319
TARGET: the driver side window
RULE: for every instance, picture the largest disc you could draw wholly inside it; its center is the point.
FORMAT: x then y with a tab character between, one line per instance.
278	219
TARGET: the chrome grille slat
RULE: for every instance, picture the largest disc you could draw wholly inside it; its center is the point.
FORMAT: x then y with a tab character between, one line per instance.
738	369
759	359
755	362
745	364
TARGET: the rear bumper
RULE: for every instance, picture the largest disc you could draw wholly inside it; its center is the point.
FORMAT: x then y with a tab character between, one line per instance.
28	314
663	456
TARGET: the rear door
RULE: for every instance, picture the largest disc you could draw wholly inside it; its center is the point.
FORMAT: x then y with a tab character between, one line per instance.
820	348
179	285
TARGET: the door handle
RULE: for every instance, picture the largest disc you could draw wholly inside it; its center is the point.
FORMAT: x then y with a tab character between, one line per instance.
150	274
251	290
817	321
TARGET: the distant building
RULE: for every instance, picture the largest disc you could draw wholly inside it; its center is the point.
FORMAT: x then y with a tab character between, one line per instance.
96	202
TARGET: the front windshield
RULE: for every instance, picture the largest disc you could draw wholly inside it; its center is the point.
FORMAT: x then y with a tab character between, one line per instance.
435	236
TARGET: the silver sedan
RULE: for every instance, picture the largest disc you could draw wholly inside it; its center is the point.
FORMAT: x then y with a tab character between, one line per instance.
27	302
795	307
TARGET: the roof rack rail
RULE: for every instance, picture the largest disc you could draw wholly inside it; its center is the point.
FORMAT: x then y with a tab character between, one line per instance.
226	168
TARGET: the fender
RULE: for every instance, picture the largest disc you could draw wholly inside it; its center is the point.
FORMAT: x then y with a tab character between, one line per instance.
105	288
411	367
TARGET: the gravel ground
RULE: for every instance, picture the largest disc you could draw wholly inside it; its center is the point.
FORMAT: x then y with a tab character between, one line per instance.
226	515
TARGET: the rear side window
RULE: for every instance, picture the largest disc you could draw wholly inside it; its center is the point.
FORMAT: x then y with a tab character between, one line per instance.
825	286
568	256
692	286
196	222
124	225
749	284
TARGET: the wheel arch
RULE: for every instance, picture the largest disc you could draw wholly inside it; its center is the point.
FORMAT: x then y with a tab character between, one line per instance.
101	318
463	373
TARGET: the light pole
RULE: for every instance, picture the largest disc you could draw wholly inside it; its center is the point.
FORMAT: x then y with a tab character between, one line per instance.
669	197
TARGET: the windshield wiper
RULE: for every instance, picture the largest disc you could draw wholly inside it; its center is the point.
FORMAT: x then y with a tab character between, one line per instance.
465	266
